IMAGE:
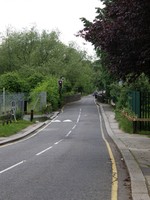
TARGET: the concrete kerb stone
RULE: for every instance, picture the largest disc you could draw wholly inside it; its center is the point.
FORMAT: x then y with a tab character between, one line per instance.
29	130
138	182
22	135
54	115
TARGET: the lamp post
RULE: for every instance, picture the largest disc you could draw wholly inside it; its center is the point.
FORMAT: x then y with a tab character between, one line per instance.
60	85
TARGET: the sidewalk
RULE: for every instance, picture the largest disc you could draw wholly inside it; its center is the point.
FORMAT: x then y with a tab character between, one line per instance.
135	150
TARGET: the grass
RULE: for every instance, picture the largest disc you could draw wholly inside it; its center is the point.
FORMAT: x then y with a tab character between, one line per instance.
124	123
13	128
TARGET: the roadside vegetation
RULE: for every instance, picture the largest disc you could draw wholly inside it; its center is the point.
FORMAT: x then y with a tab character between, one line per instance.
13	128
32	62
120	35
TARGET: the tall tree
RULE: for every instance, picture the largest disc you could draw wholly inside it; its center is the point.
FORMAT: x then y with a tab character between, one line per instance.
121	30
35	56
17	48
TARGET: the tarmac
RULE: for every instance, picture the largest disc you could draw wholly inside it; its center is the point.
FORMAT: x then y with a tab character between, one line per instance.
135	150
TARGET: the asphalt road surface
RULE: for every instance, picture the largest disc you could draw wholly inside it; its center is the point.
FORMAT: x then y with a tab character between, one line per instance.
66	160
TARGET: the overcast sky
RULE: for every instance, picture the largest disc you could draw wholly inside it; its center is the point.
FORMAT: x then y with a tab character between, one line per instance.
49	15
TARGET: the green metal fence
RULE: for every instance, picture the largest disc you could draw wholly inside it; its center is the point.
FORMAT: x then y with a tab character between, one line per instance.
145	111
140	105
135	102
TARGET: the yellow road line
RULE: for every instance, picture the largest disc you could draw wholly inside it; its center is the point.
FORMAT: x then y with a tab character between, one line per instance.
114	188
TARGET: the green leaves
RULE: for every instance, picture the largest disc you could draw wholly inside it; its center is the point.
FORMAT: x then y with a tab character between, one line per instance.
11	82
49	85
32	62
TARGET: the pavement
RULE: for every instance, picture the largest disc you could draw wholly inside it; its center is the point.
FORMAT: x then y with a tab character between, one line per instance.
135	150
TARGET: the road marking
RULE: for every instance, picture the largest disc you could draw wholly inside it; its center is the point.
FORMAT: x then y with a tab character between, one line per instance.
67	120
79	116
44	151
114	188
68	134
58	141
13	166
74	126
57	120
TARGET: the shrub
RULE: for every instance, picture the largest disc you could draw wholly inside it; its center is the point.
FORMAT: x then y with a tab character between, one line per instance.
50	85
120	92
124	123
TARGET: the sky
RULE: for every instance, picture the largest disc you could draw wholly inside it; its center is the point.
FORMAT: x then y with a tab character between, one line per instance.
62	15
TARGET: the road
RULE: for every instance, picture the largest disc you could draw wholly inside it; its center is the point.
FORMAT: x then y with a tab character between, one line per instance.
68	159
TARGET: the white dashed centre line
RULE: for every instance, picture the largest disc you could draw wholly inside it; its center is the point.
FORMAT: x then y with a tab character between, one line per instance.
44	151
58	141
68	134
74	126
13	166
65	135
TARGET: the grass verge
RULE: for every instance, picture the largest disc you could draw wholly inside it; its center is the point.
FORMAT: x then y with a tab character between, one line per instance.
13	128
124	123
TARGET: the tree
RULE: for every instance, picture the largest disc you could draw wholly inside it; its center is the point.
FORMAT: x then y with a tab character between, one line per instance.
12	82
35	79
103	78
121	30
36	56
17	48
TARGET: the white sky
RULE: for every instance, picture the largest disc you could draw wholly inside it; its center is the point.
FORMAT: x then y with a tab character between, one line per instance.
49	15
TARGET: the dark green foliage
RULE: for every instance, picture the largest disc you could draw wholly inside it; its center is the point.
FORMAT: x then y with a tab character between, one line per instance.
121	30
120	92
11	82
35	79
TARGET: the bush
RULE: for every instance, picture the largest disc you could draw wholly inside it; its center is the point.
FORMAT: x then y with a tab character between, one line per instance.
50	85
120	92
11	82
124	123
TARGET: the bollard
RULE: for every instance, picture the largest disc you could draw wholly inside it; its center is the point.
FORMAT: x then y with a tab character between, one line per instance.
31	117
